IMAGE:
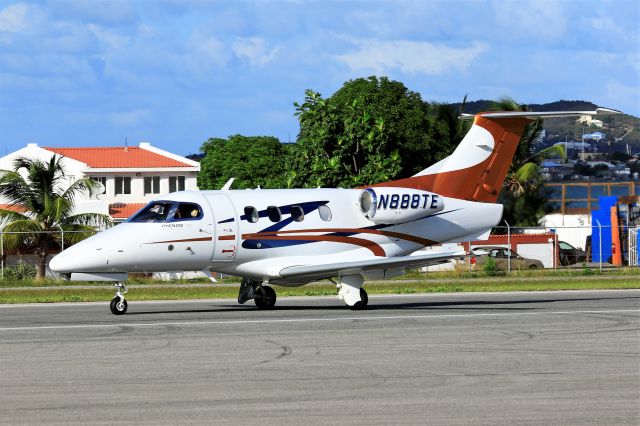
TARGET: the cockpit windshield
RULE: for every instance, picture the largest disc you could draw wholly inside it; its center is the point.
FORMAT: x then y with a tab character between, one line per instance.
168	211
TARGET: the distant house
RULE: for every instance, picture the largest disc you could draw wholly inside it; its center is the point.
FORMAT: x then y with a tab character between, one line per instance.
596	136
130	176
589	121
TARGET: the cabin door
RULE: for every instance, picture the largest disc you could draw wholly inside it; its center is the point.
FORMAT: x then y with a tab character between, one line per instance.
225	225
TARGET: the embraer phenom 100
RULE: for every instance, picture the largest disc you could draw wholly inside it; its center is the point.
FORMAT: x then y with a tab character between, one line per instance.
292	237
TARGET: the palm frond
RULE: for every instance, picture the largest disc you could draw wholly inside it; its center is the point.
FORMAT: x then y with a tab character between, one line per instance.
86	185
527	172
76	233
95	220
506	103
16	191
554	151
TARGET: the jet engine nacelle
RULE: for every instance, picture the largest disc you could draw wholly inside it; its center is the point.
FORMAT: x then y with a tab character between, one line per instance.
390	205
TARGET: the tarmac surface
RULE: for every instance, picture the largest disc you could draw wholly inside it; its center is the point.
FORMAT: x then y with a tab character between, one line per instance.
570	357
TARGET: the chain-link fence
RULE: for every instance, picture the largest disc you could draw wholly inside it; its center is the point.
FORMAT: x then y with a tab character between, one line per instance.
25	247
510	248
590	246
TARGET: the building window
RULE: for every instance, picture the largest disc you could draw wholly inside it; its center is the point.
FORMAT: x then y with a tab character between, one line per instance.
102	180
151	185
176	183
123	185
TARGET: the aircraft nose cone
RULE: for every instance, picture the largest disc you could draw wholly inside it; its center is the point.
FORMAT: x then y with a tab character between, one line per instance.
82	257
61	263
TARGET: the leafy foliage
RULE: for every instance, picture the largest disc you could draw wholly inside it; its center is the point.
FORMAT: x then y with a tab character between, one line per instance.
20	271
40	208
252	160
369	131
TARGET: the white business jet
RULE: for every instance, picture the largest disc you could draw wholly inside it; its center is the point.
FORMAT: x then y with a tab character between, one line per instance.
292	237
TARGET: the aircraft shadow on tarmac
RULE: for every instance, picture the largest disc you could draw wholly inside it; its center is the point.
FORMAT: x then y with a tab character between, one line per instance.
417	305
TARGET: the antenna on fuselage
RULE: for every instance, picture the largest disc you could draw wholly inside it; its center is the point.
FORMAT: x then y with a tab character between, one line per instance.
227	186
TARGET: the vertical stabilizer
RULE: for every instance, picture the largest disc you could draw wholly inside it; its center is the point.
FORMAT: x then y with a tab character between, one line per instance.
477	168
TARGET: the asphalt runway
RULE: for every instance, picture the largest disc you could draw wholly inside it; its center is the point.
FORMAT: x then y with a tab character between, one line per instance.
507	358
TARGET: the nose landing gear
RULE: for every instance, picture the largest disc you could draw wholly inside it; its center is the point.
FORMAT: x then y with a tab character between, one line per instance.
118	304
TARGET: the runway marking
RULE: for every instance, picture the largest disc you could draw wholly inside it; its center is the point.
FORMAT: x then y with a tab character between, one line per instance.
293	320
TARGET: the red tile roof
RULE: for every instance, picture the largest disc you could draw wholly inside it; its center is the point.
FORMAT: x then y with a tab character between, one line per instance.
124	211
118	157
13	208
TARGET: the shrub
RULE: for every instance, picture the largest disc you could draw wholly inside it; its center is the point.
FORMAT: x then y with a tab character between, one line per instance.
20	271
489	267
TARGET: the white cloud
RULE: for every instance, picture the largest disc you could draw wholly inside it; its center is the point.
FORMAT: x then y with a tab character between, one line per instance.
255	50
130	118
206	53
410	57
621	96
531	20
19	17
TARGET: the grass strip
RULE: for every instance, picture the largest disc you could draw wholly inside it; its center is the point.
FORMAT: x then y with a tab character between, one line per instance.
183	292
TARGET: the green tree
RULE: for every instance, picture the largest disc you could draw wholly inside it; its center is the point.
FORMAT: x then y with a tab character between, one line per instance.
40	207
369	131
252	160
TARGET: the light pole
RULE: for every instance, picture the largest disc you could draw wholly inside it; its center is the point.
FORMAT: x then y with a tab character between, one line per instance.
509	244
599	242
62	235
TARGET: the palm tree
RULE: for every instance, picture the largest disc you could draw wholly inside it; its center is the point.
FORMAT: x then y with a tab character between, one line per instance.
524	174
40	209
523	199
450	117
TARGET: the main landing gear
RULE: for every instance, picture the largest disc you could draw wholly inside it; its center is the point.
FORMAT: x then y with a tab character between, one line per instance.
118	305
350	291
263	295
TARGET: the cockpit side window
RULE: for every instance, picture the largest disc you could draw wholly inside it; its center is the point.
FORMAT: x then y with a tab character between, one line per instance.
156	211
187	211
251	214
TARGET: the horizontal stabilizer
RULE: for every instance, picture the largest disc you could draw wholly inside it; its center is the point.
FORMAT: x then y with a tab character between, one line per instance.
533	115
359	266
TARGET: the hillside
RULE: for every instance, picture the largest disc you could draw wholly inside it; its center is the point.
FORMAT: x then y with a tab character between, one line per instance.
620	130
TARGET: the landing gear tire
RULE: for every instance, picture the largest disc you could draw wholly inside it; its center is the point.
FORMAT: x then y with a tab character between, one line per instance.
362	304
265	299
117	306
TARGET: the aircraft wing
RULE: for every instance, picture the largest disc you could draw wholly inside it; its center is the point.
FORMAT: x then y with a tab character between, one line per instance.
328	270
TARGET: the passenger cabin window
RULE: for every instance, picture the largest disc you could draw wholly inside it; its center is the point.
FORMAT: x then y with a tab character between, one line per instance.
297	214
153	212
251	214
273	213
187	211
325	213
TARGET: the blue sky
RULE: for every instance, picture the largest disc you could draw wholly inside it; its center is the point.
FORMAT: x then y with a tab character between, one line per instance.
174	73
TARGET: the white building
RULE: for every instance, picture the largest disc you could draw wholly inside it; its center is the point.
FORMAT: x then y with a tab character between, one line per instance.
589	120
131	176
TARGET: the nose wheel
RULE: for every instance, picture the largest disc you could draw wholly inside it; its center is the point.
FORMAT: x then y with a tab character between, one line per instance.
118	304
